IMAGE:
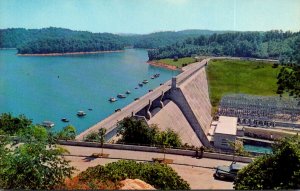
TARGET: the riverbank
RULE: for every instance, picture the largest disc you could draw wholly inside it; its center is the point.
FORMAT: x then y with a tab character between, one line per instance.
71	53
163	65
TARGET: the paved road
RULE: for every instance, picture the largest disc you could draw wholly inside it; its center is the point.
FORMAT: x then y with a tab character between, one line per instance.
197	172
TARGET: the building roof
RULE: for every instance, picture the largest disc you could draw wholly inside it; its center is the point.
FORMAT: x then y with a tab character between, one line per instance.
226	125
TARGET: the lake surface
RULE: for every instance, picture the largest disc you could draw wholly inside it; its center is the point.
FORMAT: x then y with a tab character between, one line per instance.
51	88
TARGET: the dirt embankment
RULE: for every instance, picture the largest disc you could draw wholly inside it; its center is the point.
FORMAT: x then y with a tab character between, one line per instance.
163	65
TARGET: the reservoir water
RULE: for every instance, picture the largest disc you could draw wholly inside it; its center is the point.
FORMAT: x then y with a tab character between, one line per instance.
55	87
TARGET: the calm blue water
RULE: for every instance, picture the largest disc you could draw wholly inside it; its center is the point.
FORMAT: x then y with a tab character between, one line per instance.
51	88
258	149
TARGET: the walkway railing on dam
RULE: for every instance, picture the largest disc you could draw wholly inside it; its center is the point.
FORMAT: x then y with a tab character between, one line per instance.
110	122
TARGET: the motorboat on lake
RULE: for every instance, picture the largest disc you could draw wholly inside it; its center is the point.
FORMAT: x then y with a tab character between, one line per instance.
81	113
64	120
121	96
48	124
112	99
145	81
128	92
156	75
140	84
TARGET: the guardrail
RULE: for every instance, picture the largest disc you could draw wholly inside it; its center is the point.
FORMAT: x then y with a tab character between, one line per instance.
212	155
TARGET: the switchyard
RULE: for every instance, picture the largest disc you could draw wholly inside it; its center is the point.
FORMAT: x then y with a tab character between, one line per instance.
261	111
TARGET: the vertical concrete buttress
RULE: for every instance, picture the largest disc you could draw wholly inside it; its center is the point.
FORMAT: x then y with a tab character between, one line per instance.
178	97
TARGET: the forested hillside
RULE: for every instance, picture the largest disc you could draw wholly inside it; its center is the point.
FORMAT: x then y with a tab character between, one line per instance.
271	44
160	39
60	40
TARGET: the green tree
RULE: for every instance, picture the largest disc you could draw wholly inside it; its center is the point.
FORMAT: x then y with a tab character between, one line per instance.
162	140
167	138
34	166
68	133
279	170
92	137
36	163
34	133
136	131
12	125
101	135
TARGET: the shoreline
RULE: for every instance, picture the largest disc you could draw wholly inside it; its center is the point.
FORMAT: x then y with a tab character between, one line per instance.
163	65
71	53
8	48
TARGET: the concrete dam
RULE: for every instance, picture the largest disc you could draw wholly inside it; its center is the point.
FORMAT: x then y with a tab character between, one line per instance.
181	104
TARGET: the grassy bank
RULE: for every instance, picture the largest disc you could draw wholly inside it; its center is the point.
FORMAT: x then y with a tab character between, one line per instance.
236	76
179	62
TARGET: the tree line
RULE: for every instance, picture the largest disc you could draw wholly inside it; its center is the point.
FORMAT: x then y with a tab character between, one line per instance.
271	44
289	76
60	40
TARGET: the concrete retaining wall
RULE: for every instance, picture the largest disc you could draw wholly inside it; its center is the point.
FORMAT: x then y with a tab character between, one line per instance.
158	150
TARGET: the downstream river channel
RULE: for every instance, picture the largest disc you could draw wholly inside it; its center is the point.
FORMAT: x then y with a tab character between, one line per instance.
56	87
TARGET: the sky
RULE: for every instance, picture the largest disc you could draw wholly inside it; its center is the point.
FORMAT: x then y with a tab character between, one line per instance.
146	16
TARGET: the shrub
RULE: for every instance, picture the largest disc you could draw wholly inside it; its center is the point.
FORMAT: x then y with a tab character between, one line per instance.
158	175
92	137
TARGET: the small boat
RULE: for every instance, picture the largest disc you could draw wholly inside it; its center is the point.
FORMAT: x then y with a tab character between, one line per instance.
65	120
140	84
81	113
156	75
90	109
112	99
128	92
136	99
152	77
117	110
48	124
150	90
136	88
145	81
121	96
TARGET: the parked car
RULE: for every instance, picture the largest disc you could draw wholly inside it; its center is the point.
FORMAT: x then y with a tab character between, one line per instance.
228	172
